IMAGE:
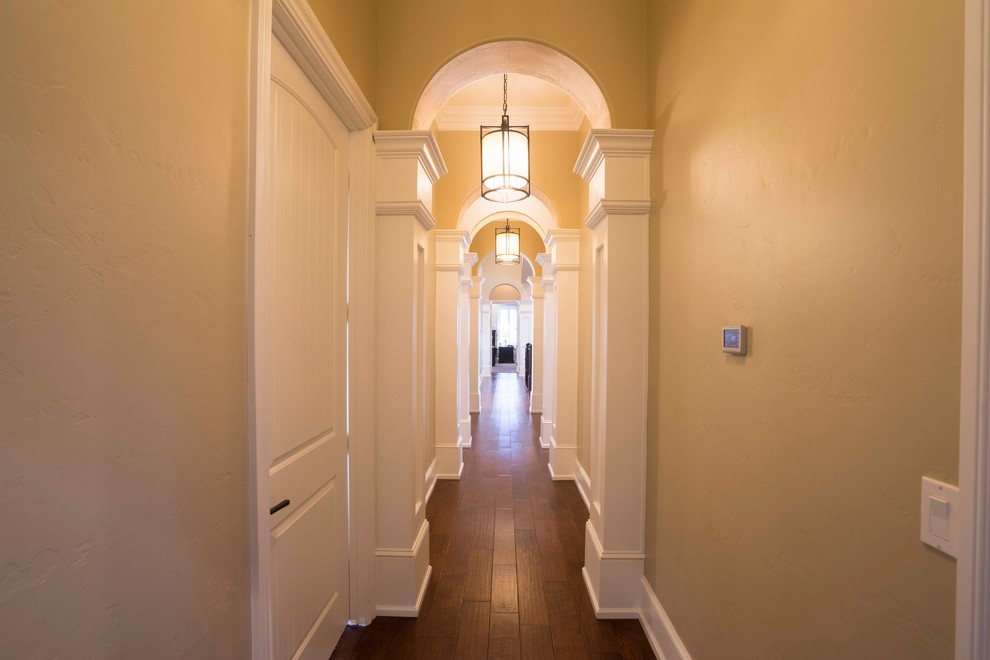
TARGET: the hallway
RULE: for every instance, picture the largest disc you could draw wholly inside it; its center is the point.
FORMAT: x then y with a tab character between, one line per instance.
506	546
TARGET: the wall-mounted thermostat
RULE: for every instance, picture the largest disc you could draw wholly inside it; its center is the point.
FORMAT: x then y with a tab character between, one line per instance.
734	339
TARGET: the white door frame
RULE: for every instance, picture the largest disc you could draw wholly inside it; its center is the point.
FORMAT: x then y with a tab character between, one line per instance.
973	568
299	30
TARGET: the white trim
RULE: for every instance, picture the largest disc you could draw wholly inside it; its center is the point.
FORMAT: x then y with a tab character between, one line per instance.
258	452
300	32
537	210
659	630
415	208
606	207
431	480
583	482
973	567
408	611
362	374
397	569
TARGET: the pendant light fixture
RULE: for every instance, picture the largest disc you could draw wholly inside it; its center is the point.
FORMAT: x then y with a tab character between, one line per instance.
505	157
507	245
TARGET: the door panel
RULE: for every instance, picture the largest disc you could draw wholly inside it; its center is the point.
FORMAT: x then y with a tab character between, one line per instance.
307	443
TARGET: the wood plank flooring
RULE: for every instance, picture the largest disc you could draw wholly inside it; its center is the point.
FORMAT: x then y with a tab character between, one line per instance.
506	546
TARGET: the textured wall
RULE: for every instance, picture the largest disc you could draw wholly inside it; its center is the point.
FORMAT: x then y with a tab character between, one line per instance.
417	37
807	179
123	454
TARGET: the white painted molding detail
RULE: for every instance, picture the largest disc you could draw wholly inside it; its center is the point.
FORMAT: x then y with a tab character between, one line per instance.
616	207
628	142
421	145
297	27
973	566
431	480
523	57
583	482
398	571
415	209
659	630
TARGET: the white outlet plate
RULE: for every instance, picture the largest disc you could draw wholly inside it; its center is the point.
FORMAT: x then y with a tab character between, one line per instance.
940	515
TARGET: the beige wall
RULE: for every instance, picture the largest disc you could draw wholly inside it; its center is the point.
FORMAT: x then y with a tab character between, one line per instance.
417	37
807	176
352	27
123	453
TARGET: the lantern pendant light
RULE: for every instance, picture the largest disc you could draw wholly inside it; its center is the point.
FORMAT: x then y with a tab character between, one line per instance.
507	245
505	157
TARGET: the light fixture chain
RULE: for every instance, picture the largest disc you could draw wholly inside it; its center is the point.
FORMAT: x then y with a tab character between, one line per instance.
505	93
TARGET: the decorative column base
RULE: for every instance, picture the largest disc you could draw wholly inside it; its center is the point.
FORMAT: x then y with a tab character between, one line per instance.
475	404
450	461
546	432
465	432
562	461
401	576
535	403
612	578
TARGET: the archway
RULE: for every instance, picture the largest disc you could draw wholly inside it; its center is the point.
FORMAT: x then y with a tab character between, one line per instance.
523	57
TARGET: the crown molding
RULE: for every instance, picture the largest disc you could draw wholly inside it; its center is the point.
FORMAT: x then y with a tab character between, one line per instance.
602	142
616	207
421	145
416	209
296	26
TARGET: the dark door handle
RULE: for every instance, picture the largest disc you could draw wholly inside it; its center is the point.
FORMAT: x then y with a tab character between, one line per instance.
278	507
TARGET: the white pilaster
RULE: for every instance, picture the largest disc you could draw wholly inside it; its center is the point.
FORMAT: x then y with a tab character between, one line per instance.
485	347
536	389
565	253
549	351
451	246
477	346
616	165
407	165
525	335
464	350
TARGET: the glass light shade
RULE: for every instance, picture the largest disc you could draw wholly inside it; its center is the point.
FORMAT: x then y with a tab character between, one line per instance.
507	245
505	162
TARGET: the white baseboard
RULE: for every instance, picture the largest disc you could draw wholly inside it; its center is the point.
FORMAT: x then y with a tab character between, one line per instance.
465	432
546	432
583	482
431	480
450	463
535	403
474	403
659	630
402	575
562	461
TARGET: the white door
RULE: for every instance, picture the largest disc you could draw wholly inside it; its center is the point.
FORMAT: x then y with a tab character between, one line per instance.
305	351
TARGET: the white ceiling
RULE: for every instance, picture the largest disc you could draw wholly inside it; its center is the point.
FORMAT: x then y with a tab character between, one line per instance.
532	101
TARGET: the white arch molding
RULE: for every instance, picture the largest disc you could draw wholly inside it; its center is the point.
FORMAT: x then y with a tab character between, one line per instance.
537	211
523	57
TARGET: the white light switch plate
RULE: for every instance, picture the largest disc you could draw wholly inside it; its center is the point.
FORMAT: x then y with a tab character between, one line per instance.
940	515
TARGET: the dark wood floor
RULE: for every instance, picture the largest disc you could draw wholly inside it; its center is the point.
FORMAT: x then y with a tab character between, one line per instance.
506	546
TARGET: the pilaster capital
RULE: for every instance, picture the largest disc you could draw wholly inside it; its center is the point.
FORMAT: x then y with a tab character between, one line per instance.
476	283
565	249
616	164
543	258
451	247
536	287
419	145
